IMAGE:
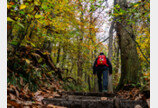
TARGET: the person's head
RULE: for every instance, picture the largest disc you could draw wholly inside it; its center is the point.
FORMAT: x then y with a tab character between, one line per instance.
101	53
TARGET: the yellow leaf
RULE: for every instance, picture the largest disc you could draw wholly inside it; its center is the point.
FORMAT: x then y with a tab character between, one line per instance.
136	5
9	6
40	60
9	19
38	16
37	2
46	53
22	6
16	18
116	14
27	61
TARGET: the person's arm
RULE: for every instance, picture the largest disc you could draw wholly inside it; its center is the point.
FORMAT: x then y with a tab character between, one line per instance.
94	66
110	66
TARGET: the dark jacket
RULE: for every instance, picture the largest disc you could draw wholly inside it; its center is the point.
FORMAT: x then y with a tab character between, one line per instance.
102	68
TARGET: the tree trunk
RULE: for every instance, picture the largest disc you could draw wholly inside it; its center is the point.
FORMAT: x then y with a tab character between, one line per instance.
117	59
110	86
129	56
95	87
63	58
89	83
80	39
58	54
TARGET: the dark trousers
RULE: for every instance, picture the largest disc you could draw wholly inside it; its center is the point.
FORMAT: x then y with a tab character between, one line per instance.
105	80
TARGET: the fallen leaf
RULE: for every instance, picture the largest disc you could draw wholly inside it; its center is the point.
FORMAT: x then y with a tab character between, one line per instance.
148	102
50	106
13	103
39	98
137	106
55	94
12	97
37	93
21	80
26	87
104	98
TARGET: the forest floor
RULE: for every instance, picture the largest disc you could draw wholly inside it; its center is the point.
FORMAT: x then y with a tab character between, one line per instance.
48	98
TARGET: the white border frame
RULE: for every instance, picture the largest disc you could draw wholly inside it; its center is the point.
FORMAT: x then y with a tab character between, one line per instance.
3	53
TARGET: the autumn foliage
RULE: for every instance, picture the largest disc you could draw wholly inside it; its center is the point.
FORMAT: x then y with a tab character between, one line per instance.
52	45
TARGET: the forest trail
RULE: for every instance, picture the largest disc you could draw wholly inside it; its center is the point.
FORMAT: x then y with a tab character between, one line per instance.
93	100
52	46
48	98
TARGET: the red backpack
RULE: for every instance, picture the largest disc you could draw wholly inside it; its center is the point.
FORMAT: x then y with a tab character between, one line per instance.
101	60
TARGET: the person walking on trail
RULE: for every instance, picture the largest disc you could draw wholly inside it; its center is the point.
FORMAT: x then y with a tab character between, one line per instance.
102	65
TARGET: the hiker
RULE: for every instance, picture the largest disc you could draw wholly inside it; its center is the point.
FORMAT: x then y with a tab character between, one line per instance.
101	66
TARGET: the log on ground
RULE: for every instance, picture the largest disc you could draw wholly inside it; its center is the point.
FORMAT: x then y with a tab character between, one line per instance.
101	94
87	103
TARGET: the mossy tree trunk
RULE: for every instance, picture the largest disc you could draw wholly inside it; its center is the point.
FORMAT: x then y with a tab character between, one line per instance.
129	56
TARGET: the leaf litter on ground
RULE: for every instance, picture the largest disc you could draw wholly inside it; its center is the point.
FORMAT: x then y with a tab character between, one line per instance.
24	98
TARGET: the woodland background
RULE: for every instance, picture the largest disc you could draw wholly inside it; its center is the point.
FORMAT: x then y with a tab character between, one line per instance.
53	43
